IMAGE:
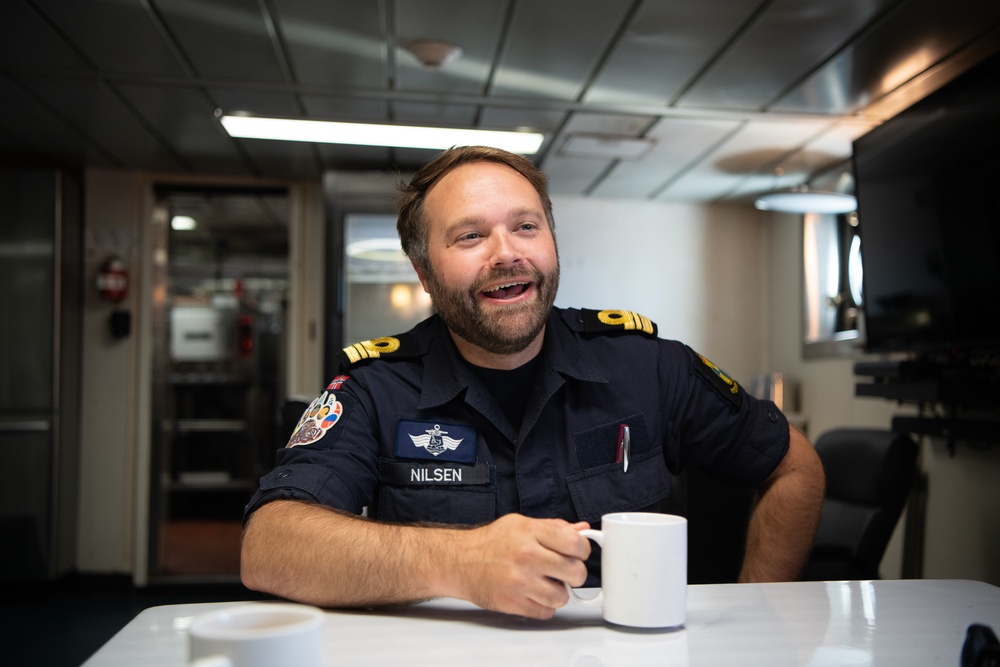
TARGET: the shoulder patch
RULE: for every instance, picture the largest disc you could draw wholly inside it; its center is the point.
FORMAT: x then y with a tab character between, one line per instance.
615	321
724	385
387	347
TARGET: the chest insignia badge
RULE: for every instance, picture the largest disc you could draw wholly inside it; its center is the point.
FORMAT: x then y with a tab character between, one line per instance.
435	441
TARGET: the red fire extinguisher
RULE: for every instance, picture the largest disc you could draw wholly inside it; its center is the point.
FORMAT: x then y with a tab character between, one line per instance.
112	280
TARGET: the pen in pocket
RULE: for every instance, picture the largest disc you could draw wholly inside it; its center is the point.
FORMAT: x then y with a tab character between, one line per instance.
624	441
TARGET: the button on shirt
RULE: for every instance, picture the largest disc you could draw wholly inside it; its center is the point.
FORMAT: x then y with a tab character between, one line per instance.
417	437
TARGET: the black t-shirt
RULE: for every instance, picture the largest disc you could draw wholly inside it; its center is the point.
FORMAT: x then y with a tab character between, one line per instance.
510	388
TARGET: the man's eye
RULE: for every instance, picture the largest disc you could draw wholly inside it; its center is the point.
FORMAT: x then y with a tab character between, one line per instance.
528	226
471	236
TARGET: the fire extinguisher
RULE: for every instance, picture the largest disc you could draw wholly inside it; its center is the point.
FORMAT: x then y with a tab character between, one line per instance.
112	285
112	280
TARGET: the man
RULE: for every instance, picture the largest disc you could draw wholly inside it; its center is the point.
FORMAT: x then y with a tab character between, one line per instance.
482	441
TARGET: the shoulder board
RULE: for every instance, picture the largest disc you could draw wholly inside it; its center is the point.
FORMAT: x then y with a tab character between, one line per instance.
403	346
616	321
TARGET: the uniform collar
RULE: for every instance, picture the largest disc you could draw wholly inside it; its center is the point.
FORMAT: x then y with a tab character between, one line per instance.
446	375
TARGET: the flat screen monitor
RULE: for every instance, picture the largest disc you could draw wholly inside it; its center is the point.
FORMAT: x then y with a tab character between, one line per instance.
928	189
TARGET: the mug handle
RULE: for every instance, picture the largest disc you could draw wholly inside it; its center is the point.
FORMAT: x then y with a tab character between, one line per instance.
212	661
598	537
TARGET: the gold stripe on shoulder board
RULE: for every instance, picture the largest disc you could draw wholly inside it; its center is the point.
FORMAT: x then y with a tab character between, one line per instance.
627	319
371	349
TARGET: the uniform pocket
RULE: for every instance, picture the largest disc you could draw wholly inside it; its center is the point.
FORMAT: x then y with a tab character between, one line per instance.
608	488
411	491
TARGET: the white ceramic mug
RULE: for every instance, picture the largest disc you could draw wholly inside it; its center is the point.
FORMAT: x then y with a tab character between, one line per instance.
258	634
643	569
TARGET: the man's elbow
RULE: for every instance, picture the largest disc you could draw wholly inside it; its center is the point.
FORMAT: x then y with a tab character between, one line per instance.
249	558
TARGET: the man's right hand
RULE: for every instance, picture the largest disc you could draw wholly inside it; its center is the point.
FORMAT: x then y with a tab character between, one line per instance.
517	564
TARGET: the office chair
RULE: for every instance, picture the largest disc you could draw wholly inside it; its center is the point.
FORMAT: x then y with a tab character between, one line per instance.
869	474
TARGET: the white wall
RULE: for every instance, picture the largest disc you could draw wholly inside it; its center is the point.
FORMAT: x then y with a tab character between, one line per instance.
697	271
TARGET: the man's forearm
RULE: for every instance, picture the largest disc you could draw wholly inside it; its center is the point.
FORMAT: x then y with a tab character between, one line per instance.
317	555
783	523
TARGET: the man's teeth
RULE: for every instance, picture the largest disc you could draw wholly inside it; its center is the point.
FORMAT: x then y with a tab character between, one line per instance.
501	290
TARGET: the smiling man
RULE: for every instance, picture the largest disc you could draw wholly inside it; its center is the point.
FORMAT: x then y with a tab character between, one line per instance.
463	457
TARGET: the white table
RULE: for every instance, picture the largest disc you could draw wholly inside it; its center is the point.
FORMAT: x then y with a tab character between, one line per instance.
912	622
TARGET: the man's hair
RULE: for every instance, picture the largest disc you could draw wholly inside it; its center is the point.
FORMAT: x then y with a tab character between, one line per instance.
412	226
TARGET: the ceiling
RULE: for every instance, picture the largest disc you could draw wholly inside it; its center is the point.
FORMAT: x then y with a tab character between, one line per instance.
720	95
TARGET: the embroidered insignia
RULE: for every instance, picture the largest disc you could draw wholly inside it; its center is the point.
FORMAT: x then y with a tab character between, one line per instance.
604	321
435	440
318	418
371	349
717	379
337	382
731	383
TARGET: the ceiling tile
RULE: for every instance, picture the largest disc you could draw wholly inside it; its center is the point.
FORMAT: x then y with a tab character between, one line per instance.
93	108
665	46
183	117
26	40
757	147
334	42
785	43
224	38
344	108
680	142
919	34
554	46
116	36
39	136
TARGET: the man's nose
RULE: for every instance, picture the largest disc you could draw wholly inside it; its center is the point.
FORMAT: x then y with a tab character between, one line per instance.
504	250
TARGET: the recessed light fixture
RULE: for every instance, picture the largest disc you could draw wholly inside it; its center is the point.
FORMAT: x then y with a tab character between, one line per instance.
182	223
365	134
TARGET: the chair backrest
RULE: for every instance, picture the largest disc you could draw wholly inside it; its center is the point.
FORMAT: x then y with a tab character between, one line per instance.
869	474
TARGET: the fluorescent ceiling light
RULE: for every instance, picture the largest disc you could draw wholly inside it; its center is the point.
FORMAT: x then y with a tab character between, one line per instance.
806	201
363	134
182	223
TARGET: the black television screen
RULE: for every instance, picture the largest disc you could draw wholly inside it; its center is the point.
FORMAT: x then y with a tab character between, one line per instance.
928	189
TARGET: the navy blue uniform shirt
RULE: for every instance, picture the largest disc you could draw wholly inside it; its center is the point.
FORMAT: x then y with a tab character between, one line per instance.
410	433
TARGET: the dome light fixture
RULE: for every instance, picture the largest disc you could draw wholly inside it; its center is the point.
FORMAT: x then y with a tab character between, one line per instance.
434	54
803	200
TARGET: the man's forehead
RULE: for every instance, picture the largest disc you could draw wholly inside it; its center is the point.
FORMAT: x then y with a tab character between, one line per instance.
467	184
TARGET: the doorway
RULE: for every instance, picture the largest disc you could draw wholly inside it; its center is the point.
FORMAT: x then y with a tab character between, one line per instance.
220	298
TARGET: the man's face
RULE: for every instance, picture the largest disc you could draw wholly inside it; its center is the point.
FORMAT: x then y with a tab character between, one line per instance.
494	264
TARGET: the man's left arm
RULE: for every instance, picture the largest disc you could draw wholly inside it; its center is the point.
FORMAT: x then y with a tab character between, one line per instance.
784	520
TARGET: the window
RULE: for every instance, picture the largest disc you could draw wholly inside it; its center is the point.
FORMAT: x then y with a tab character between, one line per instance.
833	291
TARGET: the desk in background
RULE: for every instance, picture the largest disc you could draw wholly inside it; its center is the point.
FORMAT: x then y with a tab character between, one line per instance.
909	622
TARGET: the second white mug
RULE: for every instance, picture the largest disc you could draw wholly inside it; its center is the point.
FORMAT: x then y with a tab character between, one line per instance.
258	634
643	569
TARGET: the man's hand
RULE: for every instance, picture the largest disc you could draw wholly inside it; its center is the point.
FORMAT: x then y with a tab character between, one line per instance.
518	565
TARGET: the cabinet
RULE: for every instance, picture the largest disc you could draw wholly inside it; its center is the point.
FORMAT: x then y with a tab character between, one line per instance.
210	433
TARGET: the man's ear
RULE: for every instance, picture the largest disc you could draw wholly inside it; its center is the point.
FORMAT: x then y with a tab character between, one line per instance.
421	275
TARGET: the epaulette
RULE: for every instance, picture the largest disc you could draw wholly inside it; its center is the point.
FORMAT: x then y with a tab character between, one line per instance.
402	346
615	321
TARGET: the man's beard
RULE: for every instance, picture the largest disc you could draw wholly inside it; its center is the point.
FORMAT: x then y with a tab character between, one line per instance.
499	329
